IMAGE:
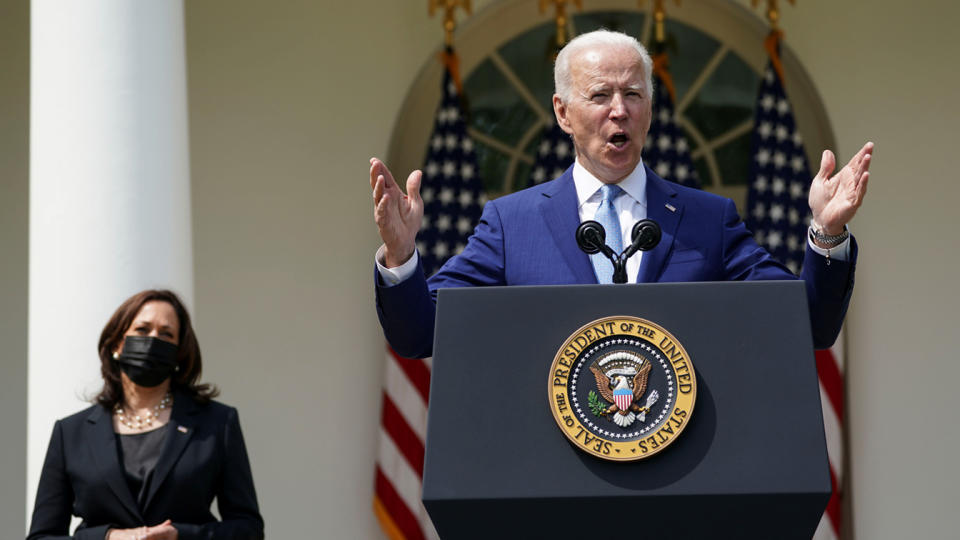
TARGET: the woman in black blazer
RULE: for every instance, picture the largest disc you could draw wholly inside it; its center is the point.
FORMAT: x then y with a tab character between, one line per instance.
147	460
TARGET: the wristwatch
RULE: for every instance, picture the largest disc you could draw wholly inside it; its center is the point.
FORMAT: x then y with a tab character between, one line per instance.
831	240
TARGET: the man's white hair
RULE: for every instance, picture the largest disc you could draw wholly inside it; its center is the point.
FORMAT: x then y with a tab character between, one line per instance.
563	80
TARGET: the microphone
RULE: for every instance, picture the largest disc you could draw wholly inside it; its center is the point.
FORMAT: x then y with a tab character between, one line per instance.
646	235
591	238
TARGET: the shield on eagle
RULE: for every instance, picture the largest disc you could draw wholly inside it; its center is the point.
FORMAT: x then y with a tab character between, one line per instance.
623	397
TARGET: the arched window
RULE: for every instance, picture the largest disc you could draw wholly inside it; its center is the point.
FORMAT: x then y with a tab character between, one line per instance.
716	58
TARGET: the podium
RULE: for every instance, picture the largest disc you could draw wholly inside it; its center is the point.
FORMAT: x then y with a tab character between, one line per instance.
751	462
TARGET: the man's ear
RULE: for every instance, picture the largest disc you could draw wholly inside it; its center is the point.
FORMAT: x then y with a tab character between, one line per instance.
560	110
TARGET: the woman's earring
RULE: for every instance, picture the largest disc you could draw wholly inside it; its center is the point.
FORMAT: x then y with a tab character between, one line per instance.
116	355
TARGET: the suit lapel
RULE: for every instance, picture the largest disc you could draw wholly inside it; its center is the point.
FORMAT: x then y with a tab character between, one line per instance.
179	432
661	197
103	446
559	209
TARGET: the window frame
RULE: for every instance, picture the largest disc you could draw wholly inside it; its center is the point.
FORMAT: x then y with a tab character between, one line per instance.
730	24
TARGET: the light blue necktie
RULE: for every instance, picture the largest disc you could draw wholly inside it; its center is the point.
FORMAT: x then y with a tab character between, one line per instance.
607	216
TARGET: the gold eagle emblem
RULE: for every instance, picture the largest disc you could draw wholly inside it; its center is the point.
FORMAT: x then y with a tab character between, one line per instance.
622	380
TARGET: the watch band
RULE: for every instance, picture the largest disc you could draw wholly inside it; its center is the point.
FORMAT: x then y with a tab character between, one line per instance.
830	239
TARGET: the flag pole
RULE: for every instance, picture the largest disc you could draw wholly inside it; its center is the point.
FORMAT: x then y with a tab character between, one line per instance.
772	43
560	16
659	48
448	57
659	18
773	12
449	15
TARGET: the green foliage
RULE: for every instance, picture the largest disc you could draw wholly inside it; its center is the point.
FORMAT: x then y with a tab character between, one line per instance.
597	407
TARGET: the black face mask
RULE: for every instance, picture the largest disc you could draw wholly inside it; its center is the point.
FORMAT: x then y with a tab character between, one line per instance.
148	361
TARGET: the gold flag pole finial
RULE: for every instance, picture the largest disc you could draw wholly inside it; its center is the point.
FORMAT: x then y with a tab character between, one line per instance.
449	19
773	12
659	17
560	16
772	43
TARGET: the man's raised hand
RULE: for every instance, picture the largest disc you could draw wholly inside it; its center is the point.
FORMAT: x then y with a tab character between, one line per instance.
835	200
398	216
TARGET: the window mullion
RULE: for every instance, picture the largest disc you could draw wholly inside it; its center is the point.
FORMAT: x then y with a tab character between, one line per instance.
702	79
521	88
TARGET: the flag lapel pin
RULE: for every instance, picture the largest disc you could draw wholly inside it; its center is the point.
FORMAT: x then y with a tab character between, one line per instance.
671	207
182	429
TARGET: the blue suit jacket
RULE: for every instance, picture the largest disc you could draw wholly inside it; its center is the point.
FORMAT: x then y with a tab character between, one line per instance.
528	238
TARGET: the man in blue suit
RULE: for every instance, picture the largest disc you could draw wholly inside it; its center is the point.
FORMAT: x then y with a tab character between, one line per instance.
603	100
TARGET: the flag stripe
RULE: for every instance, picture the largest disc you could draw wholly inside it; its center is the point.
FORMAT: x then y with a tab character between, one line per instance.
833	431
416	371
397	470
400	516
831	379
426	525
405	398
833	506
837	352
825	530
406	441
386	520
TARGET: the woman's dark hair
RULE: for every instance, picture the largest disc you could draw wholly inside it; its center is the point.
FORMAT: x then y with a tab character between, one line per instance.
188	352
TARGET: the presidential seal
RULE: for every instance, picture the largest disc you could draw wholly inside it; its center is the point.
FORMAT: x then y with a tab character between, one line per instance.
622	388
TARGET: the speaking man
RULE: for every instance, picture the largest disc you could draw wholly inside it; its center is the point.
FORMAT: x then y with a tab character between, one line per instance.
603	100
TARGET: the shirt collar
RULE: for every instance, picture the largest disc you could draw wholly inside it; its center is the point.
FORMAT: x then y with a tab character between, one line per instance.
588	185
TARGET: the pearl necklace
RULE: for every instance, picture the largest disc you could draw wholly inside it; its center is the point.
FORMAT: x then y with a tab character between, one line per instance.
137	423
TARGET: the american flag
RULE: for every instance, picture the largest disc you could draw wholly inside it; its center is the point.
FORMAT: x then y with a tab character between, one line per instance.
453	199
554	154
452	190
778	214
666	150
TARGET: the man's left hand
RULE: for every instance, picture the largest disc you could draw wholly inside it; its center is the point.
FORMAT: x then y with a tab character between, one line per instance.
834	201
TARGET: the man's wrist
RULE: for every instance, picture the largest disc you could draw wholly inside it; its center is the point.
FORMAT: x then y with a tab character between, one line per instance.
824	239
392	261
393	276
827	230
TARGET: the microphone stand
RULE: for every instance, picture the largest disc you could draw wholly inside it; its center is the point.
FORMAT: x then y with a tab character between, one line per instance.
591	237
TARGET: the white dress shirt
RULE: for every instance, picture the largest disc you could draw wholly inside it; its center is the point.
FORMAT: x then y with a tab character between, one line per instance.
631	206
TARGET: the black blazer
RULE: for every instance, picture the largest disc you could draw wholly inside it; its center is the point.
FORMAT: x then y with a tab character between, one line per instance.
203	458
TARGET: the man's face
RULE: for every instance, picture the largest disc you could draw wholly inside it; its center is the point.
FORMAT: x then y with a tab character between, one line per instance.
608	111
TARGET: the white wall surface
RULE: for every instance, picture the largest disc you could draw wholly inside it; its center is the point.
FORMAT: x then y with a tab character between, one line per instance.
289	99
14	193
888	72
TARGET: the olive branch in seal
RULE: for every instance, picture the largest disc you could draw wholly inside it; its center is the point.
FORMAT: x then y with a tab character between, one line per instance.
597	406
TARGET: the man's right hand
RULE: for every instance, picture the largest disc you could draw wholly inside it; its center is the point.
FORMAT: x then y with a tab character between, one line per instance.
398	216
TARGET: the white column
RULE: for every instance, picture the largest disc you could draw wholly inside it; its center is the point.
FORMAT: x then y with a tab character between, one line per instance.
109	188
